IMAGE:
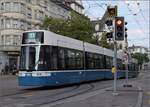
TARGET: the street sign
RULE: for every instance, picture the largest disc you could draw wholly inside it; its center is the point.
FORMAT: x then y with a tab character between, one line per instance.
125	58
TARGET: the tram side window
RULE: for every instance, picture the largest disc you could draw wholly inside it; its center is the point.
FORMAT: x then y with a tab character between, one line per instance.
108	62
44	59
32	52
97	61
79	60
111	62
89	61
70	59
61	58
54	58
94	61
101	61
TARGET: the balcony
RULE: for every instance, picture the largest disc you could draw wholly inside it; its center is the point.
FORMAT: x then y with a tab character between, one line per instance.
9	48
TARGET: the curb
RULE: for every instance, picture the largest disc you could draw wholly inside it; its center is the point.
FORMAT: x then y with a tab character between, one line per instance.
140	98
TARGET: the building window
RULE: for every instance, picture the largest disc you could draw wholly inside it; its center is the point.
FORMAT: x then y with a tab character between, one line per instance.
7	23
2	6
2	23
22	25
15	39
22	8
8	40
15	24
16	7
8	6
29	12
39	15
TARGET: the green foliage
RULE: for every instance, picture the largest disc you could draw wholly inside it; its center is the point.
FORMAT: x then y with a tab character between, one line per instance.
78	27
141	57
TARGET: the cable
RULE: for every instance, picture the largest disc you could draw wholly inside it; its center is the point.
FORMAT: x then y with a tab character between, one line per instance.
140	11
140	28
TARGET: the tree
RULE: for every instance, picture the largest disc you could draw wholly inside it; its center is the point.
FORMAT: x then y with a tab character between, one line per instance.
141	58
78	27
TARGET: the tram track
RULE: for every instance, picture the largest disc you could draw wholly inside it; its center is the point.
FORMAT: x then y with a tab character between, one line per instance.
39	89
91	86
22	94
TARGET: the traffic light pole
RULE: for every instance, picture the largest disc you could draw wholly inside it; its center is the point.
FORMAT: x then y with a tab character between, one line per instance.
115	65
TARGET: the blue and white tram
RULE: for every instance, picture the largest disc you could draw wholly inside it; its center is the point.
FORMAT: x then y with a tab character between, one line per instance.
49	59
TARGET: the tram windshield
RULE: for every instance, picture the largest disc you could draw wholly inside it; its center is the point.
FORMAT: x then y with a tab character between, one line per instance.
34	58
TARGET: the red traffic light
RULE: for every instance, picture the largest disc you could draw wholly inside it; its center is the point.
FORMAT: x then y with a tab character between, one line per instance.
119	22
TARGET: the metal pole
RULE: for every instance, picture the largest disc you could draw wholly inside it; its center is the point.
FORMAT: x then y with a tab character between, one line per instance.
115	65
126	74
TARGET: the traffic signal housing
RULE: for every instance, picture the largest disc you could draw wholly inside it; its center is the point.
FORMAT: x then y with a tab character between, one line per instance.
119	28
109	22
112	11
109	35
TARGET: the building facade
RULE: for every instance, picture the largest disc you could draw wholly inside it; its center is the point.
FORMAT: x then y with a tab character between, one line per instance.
138	49
75	5
17	16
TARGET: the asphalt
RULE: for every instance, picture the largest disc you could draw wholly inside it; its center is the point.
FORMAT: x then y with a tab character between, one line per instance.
127	97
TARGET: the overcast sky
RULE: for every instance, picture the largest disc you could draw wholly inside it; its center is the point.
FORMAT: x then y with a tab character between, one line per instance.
136	13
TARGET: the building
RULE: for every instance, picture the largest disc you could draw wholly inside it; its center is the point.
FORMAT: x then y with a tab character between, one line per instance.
17	16
75	5
138	49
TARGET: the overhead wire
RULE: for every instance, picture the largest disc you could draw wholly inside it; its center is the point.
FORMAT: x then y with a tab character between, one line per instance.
141	11
138	23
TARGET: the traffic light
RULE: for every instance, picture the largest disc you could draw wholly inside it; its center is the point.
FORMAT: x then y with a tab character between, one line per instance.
109	22
119	28
112	11
109	35
126	30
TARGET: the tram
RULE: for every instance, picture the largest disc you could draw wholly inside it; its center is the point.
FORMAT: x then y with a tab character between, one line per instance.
49	59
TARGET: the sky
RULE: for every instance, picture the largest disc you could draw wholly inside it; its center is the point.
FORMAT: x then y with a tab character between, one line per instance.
136	13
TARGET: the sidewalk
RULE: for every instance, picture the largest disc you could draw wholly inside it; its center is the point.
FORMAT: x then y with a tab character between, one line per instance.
128	97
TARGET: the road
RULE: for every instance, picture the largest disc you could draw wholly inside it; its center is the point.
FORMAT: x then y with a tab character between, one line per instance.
12	95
